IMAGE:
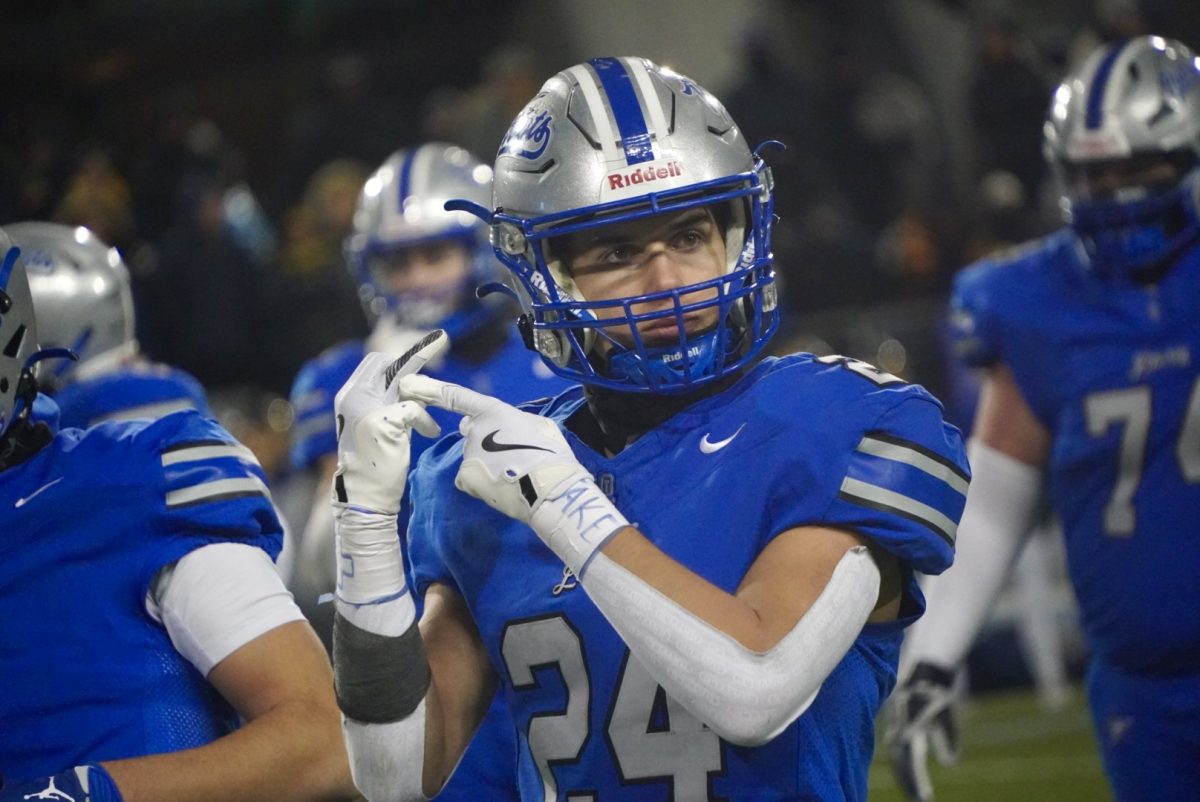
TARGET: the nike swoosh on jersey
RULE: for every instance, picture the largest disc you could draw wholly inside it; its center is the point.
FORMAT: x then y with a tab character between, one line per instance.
709	447
21	502
490	444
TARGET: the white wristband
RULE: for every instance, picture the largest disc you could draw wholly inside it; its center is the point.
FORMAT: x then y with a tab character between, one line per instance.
576	521
369	565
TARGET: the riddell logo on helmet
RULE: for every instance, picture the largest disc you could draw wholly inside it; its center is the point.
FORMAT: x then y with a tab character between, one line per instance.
643	175
1097	145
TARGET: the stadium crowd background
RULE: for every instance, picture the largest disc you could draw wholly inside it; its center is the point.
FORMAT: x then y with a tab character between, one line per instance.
221	145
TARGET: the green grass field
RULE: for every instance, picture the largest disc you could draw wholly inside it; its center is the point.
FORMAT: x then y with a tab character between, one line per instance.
1013	752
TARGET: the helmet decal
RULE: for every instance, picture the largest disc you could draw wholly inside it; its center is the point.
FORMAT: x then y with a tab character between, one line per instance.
82	294
529	135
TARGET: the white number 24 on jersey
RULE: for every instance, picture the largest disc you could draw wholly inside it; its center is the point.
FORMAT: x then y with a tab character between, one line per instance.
683	754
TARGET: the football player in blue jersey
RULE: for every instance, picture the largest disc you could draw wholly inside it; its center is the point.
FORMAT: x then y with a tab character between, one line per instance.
1091	342
82	296
689	575
418	267
143	619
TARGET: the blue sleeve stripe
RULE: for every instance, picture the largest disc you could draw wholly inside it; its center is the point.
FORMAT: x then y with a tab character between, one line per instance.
896	449
156	409
880	498
218	490
197	452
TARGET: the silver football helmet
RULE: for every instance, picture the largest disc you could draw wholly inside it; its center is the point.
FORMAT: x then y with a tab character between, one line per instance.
18	336
81	291
1131	109
402	207
619	139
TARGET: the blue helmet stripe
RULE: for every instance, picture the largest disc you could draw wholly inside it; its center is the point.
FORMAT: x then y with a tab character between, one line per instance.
1099	84
405	183
6	267
631	123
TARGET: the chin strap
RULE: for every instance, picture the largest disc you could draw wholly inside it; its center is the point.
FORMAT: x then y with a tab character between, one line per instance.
22	440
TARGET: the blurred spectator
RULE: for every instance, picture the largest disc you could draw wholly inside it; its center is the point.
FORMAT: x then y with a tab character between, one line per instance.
183	141
208	306
1008	101
317	303
512	75
98	197
344	118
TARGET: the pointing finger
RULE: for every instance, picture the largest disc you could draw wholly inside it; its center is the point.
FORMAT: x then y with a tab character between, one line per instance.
446	395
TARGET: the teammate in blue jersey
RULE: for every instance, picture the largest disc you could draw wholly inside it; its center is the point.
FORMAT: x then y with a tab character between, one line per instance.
1091	340
82	295
418	267
689	575
143	619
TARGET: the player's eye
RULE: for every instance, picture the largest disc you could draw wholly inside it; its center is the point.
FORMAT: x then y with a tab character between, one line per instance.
688	239
618	254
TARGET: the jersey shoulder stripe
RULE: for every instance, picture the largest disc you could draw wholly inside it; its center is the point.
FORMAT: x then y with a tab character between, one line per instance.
217	490
210	470
888	446
880	498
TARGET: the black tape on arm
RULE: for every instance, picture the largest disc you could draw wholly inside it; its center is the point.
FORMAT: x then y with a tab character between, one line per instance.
378	679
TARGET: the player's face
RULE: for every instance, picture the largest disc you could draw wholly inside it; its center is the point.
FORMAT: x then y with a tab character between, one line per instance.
651	255
422	268
1108	180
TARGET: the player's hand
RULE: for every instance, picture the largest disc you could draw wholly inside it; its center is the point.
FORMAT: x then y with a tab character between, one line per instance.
374	429
83	784
521	465
924	717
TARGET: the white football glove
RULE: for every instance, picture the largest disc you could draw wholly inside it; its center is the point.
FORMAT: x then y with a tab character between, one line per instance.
374	429
924	718
520	464
374	433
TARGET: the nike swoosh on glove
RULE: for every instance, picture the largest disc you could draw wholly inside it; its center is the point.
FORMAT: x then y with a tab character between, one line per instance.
521	465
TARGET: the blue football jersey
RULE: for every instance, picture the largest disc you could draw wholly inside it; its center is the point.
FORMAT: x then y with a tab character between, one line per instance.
514	374
85	526
1112	370
138	390
799	441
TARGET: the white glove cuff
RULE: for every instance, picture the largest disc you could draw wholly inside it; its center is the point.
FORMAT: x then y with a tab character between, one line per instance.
370	568
575	520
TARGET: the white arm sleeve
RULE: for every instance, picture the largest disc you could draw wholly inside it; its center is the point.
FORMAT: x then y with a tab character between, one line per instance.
386	758
217	599
746	697
1001	509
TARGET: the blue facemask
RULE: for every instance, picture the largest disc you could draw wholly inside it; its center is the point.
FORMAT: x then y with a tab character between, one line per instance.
1127	238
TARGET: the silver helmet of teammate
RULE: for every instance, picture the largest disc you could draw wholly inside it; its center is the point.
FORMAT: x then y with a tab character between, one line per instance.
81	291
618	139
18	335
1131	110
402	206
